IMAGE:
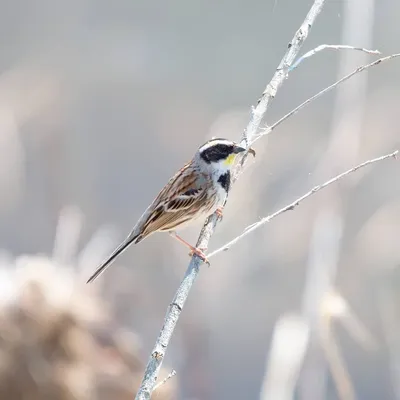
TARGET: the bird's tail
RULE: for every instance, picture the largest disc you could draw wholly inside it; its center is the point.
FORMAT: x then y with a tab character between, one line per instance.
120	249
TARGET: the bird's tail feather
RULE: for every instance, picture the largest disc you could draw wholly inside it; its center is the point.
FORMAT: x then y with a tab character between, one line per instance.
120	249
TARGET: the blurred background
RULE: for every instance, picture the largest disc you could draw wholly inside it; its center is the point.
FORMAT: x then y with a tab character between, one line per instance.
100	103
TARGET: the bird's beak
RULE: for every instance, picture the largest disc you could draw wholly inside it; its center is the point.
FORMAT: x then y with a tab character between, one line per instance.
240	149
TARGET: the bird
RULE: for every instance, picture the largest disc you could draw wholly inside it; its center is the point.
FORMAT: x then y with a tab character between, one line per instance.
198	189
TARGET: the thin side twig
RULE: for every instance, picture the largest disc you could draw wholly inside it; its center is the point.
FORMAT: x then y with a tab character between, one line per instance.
175	308
362	68
330	47
165	380
295	203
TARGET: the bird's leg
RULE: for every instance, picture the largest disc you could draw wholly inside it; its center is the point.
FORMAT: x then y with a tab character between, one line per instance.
193	250
219	212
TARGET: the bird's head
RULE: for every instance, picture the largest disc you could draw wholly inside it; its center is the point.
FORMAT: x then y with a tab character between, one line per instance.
220	154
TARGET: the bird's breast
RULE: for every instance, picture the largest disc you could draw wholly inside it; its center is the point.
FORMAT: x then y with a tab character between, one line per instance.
224	181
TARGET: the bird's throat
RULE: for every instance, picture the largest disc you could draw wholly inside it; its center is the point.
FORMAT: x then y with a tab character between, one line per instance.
230	159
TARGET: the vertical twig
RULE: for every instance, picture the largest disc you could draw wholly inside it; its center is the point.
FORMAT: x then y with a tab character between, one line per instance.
325	251
288	347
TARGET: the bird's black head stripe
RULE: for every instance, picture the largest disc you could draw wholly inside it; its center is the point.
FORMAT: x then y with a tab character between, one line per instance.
217	152
225	181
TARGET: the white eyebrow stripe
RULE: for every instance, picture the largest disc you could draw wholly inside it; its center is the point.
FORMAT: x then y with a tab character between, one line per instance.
214	142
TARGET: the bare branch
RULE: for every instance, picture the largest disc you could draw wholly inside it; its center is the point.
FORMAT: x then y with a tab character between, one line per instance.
269	129
173	313
295	203
329	47
250	133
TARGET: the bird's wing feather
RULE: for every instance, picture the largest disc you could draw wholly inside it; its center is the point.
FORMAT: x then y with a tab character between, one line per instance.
174	212
180	201
169	214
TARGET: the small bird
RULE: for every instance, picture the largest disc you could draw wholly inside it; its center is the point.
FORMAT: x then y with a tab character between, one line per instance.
197	190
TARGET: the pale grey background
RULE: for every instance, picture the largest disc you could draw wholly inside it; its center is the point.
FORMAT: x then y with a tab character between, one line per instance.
100	102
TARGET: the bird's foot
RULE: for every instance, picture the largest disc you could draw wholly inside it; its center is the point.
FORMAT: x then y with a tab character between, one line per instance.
219	212
199	253
193	250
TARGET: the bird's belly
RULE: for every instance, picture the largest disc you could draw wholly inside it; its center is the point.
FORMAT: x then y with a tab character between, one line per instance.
220	198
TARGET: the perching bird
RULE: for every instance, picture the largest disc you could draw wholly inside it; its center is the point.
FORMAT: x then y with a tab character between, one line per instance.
197	190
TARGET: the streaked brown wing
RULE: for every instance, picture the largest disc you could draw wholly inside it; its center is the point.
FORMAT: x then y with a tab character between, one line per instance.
182	199
176	212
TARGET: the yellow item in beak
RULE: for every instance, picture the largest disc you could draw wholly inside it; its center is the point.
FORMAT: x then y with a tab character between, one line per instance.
230	159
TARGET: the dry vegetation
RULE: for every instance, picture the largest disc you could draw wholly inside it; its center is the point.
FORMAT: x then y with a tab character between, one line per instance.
58	342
